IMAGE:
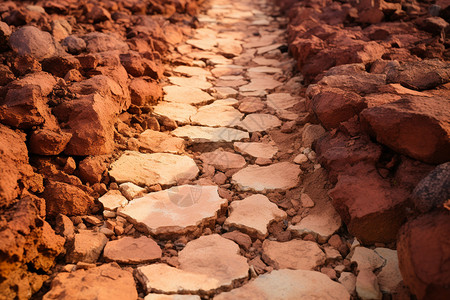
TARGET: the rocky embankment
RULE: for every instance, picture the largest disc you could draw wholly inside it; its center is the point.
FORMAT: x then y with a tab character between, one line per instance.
171	149
379	76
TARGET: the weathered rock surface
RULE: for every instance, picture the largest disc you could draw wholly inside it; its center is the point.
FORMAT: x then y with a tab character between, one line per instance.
178	210
253	215
259	122
112	200
179	112
223	160
294	254
129	250
207	116
155	168
389	277
256	149
155	141
422	255
282	175
188	95
32	41
200	134
87	247
104	282
289	284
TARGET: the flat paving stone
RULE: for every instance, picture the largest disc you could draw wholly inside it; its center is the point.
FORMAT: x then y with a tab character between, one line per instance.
130	250
147	169
229	47
175	211
281	101
217	257
161	142
217	116
203	44
201	134
179	112
253	215
289	285
196	82
259	122
260	60
192	71
260	84
258	150
230	83
171	297
162	278
225	92
187	95
112	200
294	254
321	223
282	175
265	49
264	69
251	105
223	160
225	70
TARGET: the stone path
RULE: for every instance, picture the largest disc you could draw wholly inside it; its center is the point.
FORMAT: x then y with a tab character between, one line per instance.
230	204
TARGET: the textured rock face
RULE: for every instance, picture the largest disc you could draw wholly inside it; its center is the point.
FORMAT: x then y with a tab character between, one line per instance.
177	210
371	208
187	95
289	284
27	244
200	134
156	168
223	160
105	282
414	126
156	141
422	254
87	247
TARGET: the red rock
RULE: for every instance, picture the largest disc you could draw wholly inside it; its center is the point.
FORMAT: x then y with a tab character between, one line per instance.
423	250
333	106
48	142
419	75
59	66
32	41
415	126
144	92
129	250
340	152
27	244
372	209
23	64
100	42
74	44
97	14
6	76
91	169
63	198
240	238
13	164
90	120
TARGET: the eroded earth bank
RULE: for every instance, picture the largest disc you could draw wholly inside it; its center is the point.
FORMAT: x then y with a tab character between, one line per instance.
224	149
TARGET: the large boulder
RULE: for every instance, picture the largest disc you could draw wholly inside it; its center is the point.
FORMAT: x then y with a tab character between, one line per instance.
90	120
423	250
418	127
372	209
32	41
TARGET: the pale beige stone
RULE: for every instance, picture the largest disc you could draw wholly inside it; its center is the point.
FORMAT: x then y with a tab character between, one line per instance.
203	44
253	214
187	95
107	281
112	200
223	160
176	210
201	134
87	247
367	286
321	223
366	258
216	257
147	169
156	141
171	297
311	133
264	69
131	190
196	82
265	49
217	116
192	71
260	60
179	112
259	122
130	250
389	277
225	92
224	70
282	175
162	278
289	285
258	150
229	47
281	101
348	280
295	254
300	159
260	84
